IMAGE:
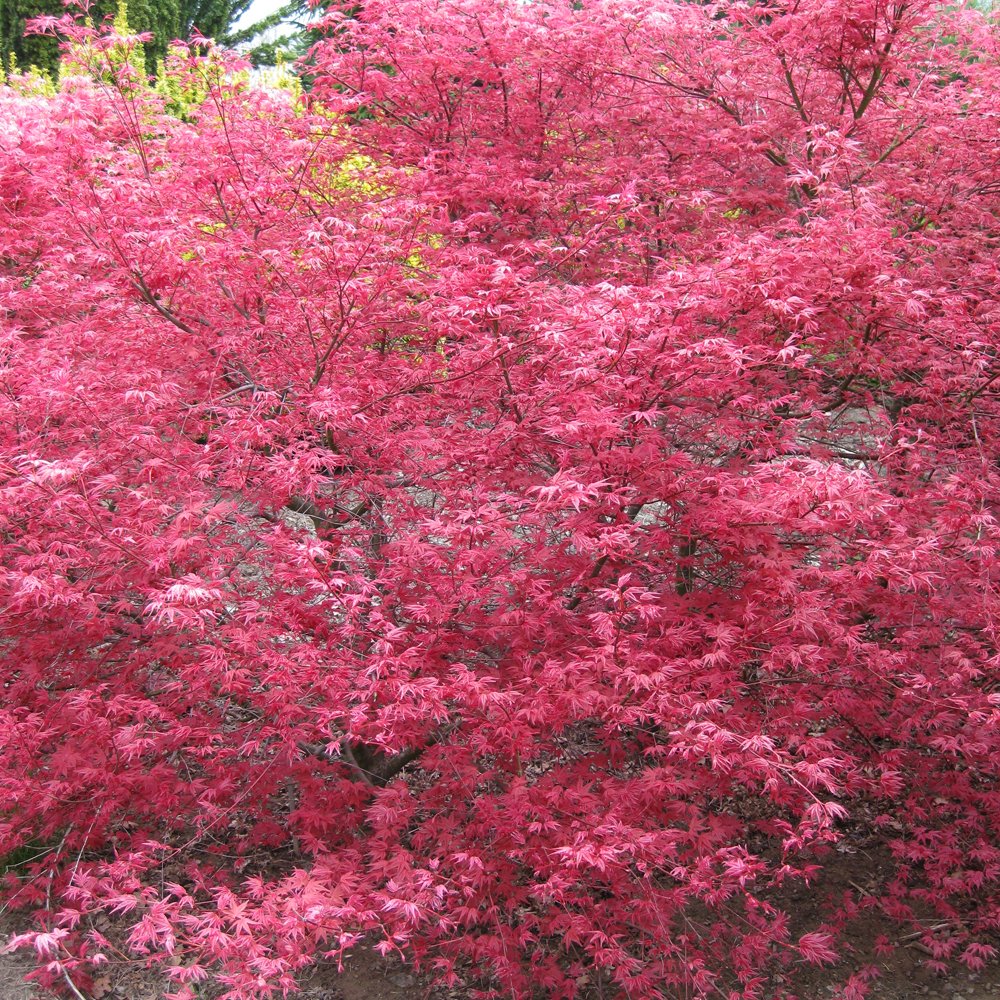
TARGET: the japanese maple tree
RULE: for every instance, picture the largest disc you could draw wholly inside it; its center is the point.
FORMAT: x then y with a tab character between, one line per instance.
522	505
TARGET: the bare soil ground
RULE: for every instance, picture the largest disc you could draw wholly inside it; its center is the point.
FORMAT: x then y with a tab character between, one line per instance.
856	864
367	976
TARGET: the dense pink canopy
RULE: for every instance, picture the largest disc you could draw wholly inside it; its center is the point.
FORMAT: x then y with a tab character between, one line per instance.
524	503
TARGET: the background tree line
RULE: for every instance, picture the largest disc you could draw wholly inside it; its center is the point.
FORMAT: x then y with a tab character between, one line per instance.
166	20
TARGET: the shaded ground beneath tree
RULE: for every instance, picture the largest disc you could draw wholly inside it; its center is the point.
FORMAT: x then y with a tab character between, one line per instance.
367	976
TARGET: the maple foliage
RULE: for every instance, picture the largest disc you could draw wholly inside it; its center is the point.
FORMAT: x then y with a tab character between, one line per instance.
523	505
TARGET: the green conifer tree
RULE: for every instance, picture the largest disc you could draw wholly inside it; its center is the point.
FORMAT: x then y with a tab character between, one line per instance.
167	20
